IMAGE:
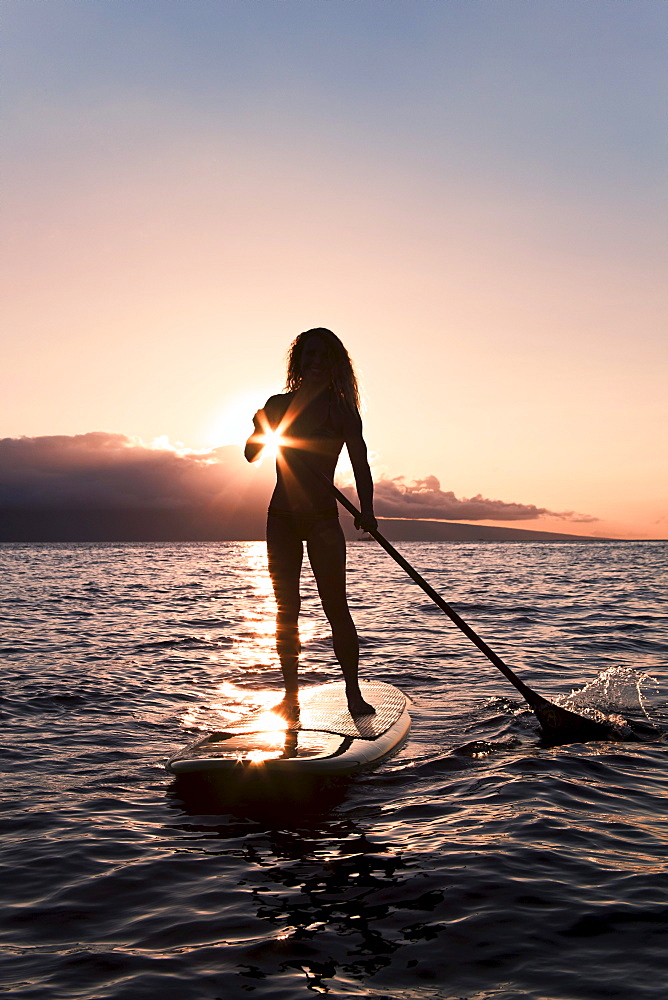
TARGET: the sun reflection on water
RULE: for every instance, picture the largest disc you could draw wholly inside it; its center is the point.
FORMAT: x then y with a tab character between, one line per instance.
237	703
254	642
250	652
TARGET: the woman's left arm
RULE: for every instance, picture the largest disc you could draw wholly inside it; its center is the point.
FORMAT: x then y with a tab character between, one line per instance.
357	451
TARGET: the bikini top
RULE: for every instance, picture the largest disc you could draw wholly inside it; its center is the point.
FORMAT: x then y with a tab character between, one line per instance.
321	420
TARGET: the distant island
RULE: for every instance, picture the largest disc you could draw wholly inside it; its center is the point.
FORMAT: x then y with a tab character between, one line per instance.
454	531
196	524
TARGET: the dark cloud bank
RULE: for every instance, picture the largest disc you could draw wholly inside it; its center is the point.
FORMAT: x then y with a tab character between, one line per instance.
108	487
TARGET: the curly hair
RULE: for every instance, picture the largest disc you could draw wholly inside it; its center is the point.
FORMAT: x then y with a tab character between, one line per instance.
344	379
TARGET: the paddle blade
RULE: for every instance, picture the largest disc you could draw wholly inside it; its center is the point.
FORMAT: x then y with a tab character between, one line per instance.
561	726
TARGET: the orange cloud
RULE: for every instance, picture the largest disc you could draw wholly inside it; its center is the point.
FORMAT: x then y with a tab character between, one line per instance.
425	499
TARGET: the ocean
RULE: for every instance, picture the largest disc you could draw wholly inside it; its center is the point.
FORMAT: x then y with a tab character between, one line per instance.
477	863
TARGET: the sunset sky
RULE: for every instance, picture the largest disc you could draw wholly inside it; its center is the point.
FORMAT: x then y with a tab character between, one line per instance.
471	193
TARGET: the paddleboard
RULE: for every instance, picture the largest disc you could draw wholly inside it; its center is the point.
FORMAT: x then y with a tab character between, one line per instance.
325	739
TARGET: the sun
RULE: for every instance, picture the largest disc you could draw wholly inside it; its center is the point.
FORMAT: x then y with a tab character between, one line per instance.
273	440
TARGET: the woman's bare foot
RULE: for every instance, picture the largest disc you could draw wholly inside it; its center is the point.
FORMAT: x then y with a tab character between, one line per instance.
358	706
288	708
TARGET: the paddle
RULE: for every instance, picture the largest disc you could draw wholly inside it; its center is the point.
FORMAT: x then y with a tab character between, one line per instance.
558	724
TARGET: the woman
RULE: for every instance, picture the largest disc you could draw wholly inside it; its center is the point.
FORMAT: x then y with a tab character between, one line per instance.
312	420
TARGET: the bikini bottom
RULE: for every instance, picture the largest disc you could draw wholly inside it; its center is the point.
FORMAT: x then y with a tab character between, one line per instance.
304	524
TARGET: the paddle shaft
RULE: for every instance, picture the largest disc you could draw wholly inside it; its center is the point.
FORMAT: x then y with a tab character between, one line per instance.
530	696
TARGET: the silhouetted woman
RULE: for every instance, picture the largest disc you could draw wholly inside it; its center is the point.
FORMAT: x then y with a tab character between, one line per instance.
312	420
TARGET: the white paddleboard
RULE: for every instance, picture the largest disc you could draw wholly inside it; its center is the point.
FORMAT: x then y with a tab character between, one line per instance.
325	739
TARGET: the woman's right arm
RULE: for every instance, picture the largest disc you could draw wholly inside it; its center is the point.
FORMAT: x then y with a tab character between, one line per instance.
255	442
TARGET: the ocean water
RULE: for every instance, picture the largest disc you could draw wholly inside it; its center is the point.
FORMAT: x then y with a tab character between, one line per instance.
477	863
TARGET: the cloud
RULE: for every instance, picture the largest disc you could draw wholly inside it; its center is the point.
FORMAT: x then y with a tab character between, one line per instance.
109	486
103	472
99	469
425	499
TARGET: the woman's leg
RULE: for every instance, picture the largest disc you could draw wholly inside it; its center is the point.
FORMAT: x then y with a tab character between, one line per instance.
327	554
284	554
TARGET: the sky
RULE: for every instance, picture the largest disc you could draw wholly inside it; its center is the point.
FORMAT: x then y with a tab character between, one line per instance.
470	193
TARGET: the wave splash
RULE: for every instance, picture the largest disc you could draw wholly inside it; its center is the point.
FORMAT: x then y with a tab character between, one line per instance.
616	696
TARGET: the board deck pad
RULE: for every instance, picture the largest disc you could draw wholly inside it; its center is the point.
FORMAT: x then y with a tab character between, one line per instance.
325	738
325	709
